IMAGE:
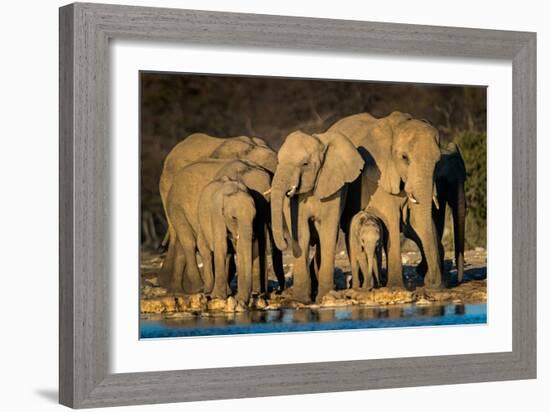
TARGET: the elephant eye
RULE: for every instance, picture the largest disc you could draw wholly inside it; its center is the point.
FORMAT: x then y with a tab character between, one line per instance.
405	157
305	163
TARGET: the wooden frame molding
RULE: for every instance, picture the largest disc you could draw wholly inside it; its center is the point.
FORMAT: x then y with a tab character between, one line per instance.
85	31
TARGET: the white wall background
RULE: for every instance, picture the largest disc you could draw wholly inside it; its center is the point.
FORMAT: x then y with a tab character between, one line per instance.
28	170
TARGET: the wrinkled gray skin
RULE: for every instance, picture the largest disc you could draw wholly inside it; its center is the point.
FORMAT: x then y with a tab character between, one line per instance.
200	146
180	271
366	243
227	212
308	195
450	175
402	153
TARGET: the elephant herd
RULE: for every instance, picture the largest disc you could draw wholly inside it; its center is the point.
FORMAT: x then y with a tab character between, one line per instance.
373	178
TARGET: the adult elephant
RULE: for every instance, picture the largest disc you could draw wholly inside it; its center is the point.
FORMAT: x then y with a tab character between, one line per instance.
308	193
200	146
450	175
403	152
180	271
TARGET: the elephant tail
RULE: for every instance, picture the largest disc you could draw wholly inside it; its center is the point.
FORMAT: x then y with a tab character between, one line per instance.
459	222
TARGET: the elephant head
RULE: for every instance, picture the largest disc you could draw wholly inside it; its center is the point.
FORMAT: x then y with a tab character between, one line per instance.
231	214
319	165
252	149
406	151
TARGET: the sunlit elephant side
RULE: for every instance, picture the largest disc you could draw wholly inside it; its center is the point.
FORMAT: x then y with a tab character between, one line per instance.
180	270
200	146
308	193
404	152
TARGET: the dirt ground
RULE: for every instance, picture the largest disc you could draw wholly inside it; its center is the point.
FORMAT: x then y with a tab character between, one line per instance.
157	301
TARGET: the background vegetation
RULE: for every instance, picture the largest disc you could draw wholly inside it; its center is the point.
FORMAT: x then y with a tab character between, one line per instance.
174	106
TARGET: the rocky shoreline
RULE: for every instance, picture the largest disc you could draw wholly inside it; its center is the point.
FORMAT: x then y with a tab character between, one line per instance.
156	302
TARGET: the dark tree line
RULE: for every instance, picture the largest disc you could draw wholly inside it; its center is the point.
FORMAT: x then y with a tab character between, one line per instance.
174	106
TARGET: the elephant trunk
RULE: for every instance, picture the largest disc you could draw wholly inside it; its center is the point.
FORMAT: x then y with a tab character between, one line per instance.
423	224
459	221
368	277
281	187
244	261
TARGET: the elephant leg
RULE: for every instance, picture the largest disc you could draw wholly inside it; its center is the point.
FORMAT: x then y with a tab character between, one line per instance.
192	280
207	269
432	250
377	267
177	281
328	236
314	266
354	251
257	276
230	270
422	267
221	287
439	220
262	256
366	268
395	265
355	284
171	274
165	274
277	262
301	289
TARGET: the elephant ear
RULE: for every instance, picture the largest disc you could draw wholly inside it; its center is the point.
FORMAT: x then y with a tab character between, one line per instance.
259	142
342	164
232	147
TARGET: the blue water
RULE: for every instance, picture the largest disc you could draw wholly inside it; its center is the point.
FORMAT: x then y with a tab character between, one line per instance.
303	320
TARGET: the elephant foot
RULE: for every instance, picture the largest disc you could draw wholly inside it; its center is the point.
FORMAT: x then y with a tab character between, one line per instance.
176	288
243	299
219	293
435	284
301	297
394	283
322	294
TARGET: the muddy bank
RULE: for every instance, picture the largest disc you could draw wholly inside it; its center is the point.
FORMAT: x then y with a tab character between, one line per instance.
157	302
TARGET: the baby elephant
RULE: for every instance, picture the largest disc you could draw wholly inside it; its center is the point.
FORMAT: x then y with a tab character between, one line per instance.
366	241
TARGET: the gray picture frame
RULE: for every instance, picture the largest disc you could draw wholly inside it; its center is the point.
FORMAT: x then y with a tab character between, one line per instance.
85	31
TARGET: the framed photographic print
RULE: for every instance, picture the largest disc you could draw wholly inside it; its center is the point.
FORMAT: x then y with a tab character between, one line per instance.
266	205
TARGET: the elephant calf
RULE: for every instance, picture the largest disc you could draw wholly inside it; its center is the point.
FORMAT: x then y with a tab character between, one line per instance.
366	241
227	212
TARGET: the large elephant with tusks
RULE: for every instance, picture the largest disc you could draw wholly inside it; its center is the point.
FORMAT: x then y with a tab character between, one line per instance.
403	152
308	195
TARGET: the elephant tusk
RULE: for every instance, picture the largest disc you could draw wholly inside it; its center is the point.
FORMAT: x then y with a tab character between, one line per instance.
291	192
434	197
413	199
436	203
266	192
